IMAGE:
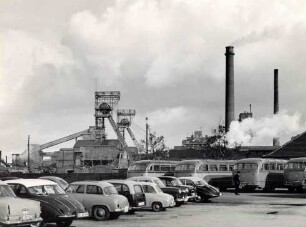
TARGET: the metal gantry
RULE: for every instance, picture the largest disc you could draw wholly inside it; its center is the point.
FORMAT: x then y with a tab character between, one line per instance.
124	121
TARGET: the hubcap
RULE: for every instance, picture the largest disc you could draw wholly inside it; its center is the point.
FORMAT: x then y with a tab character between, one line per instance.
101	212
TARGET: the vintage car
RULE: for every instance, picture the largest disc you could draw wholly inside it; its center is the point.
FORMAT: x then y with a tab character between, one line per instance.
132	191
100	198
15	211
61	182
156	199
189	191
178	194
56	206
204	190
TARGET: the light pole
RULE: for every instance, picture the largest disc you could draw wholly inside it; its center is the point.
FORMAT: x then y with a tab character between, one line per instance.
147	132
29	168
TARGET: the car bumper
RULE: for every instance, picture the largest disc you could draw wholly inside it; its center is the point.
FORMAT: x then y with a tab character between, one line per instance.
122	210
35	221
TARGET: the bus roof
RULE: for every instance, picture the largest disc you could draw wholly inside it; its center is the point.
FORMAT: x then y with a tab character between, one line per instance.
297	159
154	161
207	161
257	160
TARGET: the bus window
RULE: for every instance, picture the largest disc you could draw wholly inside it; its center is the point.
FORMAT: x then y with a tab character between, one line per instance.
203	168
272	166
213	168
156	168
184	167
290	165
151	169
172	168
238	166
254	166
230	167
165	168
280	167
266	166
222	167
247	166
138	167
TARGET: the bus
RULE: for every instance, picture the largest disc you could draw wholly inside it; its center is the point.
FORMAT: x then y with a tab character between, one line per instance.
260	173
216	172
154	168
294	174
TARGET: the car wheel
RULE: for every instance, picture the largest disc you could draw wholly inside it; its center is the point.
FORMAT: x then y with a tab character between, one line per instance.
100	213
156	206
178	204
65	223
131	212
41	224
197	199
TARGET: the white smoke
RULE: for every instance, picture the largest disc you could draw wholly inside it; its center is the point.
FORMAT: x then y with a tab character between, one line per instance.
252	132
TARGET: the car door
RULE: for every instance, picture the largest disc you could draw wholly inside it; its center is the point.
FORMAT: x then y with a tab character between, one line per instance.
150	194
140	198
92	196
76	191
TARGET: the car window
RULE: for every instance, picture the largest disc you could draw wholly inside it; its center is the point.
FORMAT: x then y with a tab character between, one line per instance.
93	189
118	187
110	190
148	189
138	189
189	182
80	189
125	188
72	188
6	191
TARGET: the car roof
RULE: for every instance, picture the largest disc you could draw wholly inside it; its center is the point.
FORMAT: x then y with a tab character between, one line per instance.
98	183
143	178
190	178
51	177
2	182
147	183
128	182
31	182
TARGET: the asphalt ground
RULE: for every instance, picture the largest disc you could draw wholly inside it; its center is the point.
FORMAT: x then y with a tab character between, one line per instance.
278	209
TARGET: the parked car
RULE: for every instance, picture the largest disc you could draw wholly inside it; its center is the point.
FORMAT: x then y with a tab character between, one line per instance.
204	190
177	193
132	191
61	182
100	198
188	190
15	211
156	199
56	206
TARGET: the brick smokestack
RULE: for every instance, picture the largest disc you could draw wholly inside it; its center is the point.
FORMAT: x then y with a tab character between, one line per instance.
276	102
229	87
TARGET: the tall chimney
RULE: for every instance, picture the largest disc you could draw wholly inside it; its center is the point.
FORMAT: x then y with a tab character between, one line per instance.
229	87
276	103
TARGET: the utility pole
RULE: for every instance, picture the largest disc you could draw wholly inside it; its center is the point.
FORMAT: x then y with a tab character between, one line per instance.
147	132
29	168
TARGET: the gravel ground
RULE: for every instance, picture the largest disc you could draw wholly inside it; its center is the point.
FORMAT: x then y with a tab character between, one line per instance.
247	209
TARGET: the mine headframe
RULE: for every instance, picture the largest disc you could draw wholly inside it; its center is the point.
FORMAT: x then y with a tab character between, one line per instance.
124	121
105	102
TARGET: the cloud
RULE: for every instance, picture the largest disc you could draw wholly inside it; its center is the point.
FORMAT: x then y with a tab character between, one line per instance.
259	132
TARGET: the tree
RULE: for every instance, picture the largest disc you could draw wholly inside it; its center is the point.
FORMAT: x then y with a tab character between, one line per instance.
157	147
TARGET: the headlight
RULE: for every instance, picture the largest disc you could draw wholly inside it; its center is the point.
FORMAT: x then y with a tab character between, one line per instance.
179	191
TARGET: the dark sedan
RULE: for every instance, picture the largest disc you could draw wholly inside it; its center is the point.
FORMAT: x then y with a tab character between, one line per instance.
56	206
204	190
188	190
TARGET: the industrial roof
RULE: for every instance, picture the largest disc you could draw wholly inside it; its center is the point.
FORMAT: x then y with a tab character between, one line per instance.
295	148
95	143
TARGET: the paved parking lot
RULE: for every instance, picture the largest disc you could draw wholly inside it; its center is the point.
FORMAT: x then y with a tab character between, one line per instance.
248	209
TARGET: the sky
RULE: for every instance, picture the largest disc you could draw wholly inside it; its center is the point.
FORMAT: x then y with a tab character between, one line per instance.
165	57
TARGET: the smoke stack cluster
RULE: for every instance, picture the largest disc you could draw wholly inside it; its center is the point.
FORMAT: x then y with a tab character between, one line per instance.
276	102
229	87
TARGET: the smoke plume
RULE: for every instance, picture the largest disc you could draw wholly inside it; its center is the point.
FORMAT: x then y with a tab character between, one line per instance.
254	132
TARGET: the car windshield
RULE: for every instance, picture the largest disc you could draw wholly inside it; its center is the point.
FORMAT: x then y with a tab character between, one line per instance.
159	183
6	191
176	182
46	190
200	182
110	190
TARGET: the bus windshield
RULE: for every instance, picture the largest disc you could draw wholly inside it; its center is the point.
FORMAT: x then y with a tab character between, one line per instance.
295	166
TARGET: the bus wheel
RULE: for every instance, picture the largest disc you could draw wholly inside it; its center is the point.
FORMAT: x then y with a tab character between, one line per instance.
299	190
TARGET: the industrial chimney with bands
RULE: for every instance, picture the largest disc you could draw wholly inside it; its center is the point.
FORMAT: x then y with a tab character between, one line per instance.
229	87
276	102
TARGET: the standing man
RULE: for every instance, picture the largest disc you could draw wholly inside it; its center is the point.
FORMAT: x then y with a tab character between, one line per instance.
236	180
